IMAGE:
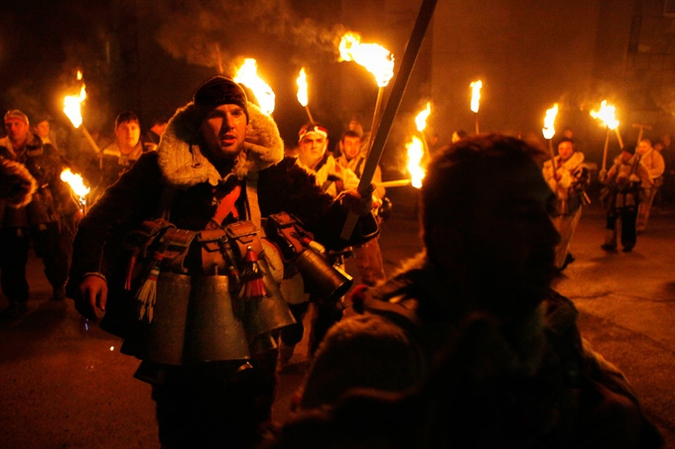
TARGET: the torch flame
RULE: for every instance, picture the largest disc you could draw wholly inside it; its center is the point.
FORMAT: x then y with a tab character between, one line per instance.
375	58
421	119
549	121
606	114
476	86
71	107
79	75
76	184
415	154
248	75
302	88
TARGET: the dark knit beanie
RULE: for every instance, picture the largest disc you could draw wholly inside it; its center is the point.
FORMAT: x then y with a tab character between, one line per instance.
220	90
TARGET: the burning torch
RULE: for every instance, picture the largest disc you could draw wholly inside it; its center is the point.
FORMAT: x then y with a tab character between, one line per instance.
607	115
376	59
549	131
412	50
476	86
417	151
248	76
303	96
72	109
77	186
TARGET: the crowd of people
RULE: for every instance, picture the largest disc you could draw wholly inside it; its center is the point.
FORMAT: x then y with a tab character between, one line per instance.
206	243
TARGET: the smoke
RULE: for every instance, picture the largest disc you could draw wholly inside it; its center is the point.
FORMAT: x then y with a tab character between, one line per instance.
214	33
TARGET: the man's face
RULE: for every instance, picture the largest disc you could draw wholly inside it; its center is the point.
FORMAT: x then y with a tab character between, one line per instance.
312	148
127	134
644	146
17	130
507	240
224	130
565	150
351	146
42	129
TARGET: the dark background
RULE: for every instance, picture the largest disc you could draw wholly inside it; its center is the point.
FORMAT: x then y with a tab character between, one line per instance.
149	56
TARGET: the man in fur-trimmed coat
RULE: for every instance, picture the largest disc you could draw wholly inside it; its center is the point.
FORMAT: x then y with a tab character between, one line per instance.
220	162
469	346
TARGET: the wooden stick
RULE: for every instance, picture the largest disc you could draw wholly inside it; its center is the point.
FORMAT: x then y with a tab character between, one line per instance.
398	89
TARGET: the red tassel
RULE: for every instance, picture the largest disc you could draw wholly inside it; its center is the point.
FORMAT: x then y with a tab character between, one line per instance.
253	286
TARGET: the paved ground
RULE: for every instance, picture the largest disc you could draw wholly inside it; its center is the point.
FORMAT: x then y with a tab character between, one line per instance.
63	384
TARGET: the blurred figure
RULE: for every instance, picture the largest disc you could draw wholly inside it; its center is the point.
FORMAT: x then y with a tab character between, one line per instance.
333	179
118	157
625	183
458	134
368	256
44	131
469	346
153	134
654	163
568	178
47	221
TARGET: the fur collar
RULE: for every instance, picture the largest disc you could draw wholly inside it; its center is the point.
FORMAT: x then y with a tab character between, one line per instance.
184	165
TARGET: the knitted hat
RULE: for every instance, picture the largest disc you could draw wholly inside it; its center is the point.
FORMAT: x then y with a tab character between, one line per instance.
220	90
16	114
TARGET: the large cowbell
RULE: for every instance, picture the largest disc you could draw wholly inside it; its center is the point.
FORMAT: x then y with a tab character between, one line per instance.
197	320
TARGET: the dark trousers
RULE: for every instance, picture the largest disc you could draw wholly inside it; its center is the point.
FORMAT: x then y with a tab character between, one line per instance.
53	247
628	217
214	406
14	246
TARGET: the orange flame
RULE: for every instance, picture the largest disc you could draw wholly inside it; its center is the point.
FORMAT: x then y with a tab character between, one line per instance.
76	184
248	75
415	154
606	114
549	121
476	86
421	118
303	98
375	58
71	107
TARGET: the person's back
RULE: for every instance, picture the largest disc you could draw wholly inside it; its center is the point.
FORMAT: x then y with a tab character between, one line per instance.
515	371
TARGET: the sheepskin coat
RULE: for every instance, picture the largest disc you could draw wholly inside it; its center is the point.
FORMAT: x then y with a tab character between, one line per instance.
52	198
178	181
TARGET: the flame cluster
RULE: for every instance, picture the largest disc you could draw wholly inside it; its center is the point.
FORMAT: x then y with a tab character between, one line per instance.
416	149
476	86
248	76
303	97
375	58
607	114
549	121
76	184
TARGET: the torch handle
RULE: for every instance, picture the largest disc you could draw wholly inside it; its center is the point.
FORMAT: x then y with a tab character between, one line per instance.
604	151
398	89
618	136
90	139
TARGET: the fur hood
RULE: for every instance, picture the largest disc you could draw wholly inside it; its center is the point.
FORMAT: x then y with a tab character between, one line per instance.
183	164
17	185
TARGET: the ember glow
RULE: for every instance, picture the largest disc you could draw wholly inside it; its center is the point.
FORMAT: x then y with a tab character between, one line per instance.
606	114
421	119
415	154
549	122
76	184
375	58
303	97
72	106
476	86
248	76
